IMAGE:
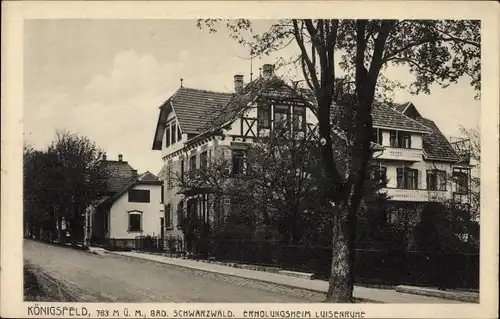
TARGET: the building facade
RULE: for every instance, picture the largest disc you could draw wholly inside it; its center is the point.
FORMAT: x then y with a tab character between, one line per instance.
195	126
132	206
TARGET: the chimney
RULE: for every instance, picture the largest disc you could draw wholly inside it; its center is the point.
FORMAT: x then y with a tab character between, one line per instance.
134	172
104	157
238	83
267	71
120	157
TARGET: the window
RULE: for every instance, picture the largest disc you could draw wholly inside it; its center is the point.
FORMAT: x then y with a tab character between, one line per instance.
407	178
192	209
180	214
436	180
168	215
173	130
138	196
280	116
239	164
179	135
299	118
462	182
134	222
162	195
404	140
173	133
381	175
192	162
264	116
167	136
203	159
393	142
377	136
400	139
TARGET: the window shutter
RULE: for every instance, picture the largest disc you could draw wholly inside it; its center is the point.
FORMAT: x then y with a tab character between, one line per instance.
168	217
162	195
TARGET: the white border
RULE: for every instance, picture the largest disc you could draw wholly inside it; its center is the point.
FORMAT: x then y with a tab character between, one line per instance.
14	13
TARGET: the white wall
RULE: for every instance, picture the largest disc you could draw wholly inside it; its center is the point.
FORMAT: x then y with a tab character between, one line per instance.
422	167
118	223
416	139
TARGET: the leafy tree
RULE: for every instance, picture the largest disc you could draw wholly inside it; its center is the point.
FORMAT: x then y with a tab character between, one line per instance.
60	182
435	51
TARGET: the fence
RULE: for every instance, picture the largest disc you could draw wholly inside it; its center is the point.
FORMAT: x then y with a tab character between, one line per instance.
149	243
173	245
444	270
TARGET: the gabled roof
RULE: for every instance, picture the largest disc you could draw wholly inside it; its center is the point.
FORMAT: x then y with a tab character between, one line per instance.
119	174
401	108
200	112
193	109
436	146
146	178
384	116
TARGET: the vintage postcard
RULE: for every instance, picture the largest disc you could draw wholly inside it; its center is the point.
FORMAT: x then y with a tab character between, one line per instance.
250	159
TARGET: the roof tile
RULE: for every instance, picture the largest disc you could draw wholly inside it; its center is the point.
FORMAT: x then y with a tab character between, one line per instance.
120	173
194	108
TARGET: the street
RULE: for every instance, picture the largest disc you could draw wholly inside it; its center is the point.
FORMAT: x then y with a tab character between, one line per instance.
108	279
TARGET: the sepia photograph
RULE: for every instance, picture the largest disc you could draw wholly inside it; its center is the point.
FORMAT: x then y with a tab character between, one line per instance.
251	161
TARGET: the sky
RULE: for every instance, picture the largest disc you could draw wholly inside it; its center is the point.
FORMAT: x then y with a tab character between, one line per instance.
105	79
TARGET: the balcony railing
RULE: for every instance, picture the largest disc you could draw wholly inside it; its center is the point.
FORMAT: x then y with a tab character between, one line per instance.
416	195
404	154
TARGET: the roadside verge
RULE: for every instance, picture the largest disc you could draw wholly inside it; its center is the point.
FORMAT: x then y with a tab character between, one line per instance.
40	286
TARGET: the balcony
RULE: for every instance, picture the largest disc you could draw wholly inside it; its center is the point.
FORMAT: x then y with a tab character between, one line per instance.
401	154
415	195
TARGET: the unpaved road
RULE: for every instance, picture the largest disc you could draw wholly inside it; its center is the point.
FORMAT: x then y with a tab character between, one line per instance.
108	278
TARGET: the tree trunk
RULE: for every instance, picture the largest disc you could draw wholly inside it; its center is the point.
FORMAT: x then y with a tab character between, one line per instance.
340	285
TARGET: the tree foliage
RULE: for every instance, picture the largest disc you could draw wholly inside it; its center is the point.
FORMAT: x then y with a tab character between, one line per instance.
435	51
59	182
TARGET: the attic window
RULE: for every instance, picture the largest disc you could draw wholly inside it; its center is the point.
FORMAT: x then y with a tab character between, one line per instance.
173	131
138	196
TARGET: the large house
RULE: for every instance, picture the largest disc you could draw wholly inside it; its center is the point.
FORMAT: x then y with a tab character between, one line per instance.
130	207
197	125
